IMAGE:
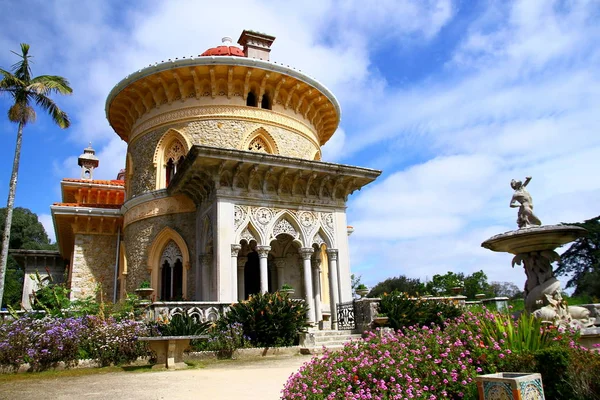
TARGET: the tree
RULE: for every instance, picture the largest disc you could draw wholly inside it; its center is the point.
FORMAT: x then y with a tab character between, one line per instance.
477	283
26	90
441	285
506	289
473	284
26	232
582	260
401	283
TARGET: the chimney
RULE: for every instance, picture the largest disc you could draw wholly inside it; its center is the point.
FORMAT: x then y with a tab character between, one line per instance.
256	44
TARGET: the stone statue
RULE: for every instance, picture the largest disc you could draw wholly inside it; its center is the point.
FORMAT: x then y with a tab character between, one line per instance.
522	199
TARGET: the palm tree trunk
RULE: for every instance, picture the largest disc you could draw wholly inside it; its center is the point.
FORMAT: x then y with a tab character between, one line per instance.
9	211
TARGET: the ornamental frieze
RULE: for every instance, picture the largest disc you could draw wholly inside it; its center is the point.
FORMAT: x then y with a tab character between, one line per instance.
228	112
156	207
271	222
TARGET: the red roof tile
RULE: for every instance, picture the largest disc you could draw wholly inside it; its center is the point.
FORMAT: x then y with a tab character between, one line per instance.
111	206
224	51
112	182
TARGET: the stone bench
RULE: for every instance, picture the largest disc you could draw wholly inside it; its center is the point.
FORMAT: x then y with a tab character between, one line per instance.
169	349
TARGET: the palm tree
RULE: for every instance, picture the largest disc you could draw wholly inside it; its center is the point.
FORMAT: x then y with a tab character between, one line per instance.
25	90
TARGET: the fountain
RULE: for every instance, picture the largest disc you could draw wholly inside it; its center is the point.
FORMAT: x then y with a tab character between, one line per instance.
533	247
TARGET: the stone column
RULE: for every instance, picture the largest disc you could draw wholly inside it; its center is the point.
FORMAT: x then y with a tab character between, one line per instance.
241	278
263	253
306	253
205	260
280	264
235	249
332	255
316	270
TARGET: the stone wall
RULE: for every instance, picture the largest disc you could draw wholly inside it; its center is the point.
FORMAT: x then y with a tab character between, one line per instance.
231	134
94	259
142	156
222	133
139	236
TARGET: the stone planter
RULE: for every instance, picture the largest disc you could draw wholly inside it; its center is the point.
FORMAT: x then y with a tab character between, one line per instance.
288	291
380	321
144	293
362	292
457	289
510	386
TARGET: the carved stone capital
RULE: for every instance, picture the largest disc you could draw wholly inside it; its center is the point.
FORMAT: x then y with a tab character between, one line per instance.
306	252
263	251
235	249
333	254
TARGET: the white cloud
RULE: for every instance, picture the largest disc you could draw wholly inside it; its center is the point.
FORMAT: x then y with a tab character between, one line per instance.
518	99
46	221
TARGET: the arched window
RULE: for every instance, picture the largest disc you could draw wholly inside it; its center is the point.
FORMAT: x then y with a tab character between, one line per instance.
174	157
251	100
171	274
265	102
260	145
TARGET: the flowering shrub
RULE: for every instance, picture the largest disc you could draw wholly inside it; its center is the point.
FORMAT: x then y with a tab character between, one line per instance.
111	342
402	310
40	342
269	319
225	339
44	342
422	362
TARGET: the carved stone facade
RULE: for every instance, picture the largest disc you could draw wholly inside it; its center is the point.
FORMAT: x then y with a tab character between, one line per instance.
139	237
308	227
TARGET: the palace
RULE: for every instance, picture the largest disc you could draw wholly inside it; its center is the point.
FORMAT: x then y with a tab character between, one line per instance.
223	194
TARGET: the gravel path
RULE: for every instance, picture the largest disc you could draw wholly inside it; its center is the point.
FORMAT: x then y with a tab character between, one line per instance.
260	379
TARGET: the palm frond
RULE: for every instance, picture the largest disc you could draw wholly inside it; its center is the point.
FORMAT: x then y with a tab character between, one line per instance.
45	84
9	82
21	68
60	117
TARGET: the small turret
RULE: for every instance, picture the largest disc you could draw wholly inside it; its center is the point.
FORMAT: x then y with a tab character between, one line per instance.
88	161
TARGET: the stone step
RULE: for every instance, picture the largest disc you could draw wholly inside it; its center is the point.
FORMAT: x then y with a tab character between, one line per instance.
329	339
320	350
333	333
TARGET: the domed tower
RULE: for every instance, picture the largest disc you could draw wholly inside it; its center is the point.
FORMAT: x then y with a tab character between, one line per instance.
226	193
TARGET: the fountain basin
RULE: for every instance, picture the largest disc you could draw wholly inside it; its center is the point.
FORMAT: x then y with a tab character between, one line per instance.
538	238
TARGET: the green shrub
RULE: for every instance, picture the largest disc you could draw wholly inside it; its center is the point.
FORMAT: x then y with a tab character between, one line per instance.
269	319
183	325
405	311
524	334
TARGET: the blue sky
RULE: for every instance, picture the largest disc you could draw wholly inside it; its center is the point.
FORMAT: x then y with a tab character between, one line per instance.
451	99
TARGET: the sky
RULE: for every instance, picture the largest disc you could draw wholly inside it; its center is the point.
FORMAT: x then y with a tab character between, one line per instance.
451	99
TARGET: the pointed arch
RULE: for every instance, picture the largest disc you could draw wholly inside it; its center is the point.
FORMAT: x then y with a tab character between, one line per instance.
261	141
321	237
248	233
170	150
155	255
285	222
